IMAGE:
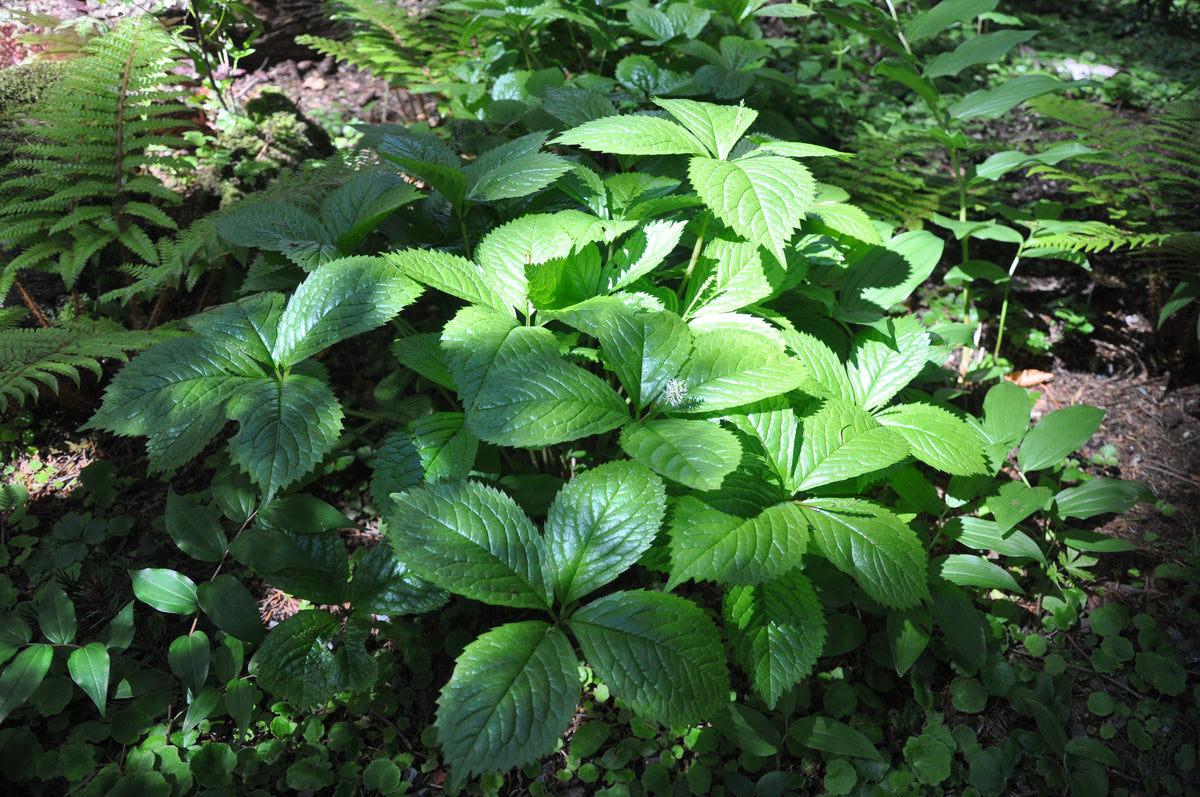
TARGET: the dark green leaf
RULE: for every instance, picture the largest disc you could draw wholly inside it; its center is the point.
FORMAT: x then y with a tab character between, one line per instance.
383	585
195	529
231	606
985	49
1101	495
713	545
309	658
190	657
89	666
831	736
165	590
23	676
56	615
1015	502
697	454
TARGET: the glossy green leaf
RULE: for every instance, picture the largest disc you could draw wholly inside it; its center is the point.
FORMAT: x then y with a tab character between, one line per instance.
231	606
56	615
840	441
311	657
310	566
472	540
733	368
165	590
730	275
908	636
633	135
429	448
880	277
985	49
599	524
195	529
906	74
512	695
239	702
516	388
642	252
1101	495
985	535
118	635
514	169
718	127
777	631
881	365
763	198
1006	410
712	545
454	275
1058	434
697	454
648	351
1083	540
89	667
659	653
383	585
776	430
201	707
869	543
967	570
994	103
340	299
1001	163
830	736
287	426
937	437
190	657
22	677
356	207
943	15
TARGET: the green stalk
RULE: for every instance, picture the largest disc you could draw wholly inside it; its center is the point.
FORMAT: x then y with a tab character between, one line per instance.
687	276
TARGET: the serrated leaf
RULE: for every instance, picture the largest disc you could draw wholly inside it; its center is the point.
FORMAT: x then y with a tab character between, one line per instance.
967	570
731	275
310	566
165	590
423	354
56	615
937	437
1058	434
879	277
357	206
429	448
985	535
309	658
89	667
512	695
713	545
848	220
598	526
840	441
831	736
659	653
869	543
775	427
471	540
762	198
514	169
882	365
697	454
1101	495
647	350
340	299
454	275
633	135
777	631
516	388
1016	501
286	426
642	252
718	127
190	657
731	368
195	529
384	585
22	677
827	373
230	605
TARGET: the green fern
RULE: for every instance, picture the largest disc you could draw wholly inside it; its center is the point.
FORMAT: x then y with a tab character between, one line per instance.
406	45
33	358
80	188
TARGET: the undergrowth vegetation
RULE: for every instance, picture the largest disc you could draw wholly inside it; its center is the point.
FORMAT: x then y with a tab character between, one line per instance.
597	437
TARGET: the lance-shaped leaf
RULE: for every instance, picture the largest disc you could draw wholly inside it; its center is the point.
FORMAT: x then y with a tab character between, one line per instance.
732	368
512	695
633	135
165	590
472	540
937	437
985	535
774	426
697	454
89	668
718	127
429	448
1101	495
840	442
513	169
195	529
642	252
310	657
762	198
56	615
994	103
454	275
777	631
287	426
731	275
646	350
709	544
337	301
190	657
516	388
230	605
986	49
882	365
22	677
599	524
659	653
1058	434
873	546
943	15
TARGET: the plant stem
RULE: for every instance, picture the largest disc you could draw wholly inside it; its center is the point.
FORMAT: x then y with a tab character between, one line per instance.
687	276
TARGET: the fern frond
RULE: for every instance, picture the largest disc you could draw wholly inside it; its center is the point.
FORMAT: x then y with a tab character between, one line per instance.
1088	236
34	358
